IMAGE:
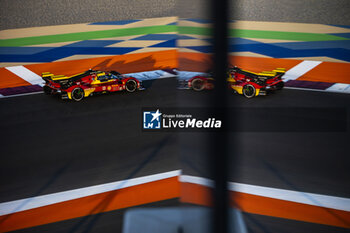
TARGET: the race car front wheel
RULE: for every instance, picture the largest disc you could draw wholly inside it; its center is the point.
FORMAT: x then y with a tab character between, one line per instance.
77	94
198	84
131	85
279	86
249	91
47	90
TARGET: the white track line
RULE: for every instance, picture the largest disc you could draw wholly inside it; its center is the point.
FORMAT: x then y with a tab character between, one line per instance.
300	69
339	87
304	89
39	201
24	94
26	74
1	96
326	201
150	75
329	90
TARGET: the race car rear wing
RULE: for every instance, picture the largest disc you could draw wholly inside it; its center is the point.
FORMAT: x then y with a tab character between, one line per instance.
48	76
268	74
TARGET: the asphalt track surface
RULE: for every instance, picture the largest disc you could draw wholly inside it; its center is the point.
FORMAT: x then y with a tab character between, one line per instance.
273	154
53	145
65	145
17	14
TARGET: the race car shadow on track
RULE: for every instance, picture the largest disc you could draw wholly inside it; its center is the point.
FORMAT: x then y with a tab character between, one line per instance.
123	66
59	172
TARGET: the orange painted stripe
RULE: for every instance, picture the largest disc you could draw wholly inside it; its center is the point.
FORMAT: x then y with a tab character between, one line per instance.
199	62
9	79
202	62
329	72
290	210
127	63
197	194
108	201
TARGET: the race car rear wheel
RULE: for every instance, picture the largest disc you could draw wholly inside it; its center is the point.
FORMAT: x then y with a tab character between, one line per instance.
77	94
131	85
198	84
249	91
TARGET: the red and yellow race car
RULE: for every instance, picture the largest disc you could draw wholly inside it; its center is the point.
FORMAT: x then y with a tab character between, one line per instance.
252	84
85	84
243	82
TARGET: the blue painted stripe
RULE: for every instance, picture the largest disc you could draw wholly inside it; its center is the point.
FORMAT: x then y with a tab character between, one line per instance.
169	43
199	20
279	52
235	41
23	50
184	37
156	37
344	44
121	22
341	26
93	43
202	49
345	35
63	52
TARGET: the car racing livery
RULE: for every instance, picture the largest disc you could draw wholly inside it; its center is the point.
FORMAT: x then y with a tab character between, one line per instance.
85	84
200	82
243	82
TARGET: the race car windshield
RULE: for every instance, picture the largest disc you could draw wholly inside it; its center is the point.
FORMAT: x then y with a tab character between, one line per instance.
107	77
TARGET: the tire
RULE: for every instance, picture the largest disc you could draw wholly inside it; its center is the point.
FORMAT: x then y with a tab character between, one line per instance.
47	90
198	84
280	86
249	91
77	94
131	85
